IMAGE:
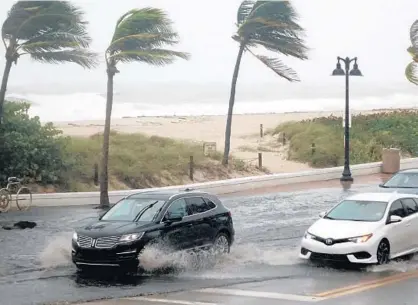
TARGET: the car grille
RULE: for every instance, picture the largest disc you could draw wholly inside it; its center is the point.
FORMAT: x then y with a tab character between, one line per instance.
101	242
84	241
107	242
329	257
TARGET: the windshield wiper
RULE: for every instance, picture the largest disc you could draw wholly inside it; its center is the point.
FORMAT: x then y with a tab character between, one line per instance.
327	217
141	212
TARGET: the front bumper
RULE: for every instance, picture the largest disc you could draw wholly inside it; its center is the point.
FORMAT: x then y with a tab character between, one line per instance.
340	253
120	256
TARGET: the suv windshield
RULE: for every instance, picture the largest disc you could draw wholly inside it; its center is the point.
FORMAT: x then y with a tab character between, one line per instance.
134	208
403	180
356	210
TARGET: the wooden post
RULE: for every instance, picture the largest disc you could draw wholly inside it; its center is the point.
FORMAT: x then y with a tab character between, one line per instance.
313	148
191	168
260	160
261	131
96	174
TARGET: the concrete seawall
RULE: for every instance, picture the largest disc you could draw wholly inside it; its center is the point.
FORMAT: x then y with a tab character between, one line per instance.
224	186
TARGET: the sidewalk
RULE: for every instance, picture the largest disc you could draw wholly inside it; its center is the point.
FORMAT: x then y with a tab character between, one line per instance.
335	183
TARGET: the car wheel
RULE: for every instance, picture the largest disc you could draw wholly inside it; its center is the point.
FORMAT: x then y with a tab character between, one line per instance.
221	244
383	252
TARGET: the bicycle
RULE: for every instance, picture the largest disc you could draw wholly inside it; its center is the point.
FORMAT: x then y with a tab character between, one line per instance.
22	196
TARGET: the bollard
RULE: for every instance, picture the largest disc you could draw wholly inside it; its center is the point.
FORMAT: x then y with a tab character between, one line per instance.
260	160
96	174
191	168
261	131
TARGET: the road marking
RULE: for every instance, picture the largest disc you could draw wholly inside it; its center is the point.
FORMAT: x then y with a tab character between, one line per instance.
262	294
168	301
367	285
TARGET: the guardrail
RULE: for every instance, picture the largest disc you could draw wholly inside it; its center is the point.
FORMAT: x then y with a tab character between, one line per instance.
223	186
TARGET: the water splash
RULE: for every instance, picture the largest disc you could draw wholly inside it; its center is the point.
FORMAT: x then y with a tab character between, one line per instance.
57	252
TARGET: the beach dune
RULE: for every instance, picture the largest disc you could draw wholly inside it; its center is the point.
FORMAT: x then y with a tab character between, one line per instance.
245	141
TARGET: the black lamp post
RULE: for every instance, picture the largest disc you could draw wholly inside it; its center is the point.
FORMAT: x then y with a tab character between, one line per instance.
346	176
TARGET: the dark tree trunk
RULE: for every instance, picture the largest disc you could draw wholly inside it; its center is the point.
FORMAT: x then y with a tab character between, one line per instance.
104	177
231	106
3	88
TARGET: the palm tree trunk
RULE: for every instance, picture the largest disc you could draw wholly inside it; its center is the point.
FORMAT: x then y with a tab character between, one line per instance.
231	106
3	88
104	178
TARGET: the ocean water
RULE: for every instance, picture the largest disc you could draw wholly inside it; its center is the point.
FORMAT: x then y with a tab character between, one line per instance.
91	105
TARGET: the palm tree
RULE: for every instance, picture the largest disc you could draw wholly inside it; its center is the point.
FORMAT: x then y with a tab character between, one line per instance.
411	70
47	31
140	36
272	25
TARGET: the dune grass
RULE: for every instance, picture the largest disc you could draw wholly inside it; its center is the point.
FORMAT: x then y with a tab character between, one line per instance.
369	135
140	161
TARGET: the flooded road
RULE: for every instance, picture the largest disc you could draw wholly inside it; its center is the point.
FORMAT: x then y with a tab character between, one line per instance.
35	266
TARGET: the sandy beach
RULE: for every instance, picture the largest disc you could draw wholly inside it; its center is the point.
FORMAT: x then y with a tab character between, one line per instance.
245	142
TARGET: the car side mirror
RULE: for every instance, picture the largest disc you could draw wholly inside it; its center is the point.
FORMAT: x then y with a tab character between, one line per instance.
394	219
171	219
322	214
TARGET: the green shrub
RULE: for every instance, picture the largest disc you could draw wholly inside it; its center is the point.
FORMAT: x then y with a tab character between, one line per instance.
28	149
368	136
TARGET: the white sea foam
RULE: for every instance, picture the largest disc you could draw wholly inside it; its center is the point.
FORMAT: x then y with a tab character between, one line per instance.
91	106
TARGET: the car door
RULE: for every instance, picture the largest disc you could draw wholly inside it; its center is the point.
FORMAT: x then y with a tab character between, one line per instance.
396	231
411	223
200	219
178	235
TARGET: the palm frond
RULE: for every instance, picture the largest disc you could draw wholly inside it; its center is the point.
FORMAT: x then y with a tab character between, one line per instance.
278	15
413	33
143	41
289	46
157	57
79	56
145	20
48	16
244	11
142	35
411	72
278	67
273	25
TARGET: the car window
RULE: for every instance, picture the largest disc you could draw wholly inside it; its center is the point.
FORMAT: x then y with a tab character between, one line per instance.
197	205
210	203
397	209
178	209
403	180
358	210
410	205
129	209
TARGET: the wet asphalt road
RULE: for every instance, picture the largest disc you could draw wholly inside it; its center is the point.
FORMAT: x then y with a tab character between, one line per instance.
35	266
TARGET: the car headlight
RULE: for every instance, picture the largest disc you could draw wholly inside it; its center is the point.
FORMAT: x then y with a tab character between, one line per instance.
360	239
309	235
75	236
131	237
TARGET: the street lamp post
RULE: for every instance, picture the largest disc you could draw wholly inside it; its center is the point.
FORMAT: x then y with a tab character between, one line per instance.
346	175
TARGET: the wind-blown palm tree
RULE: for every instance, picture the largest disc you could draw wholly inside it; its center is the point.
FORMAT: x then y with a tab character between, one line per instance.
47	31
411	71
273	26
140	36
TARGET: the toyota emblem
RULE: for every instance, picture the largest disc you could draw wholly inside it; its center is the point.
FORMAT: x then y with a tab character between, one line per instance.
328	241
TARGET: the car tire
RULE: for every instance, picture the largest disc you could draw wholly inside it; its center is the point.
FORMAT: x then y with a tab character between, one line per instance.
221	244
383	252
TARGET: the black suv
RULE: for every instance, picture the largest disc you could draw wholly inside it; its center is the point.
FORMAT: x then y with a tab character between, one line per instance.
182	220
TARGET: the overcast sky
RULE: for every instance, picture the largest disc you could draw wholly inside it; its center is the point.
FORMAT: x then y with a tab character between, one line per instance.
376	31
